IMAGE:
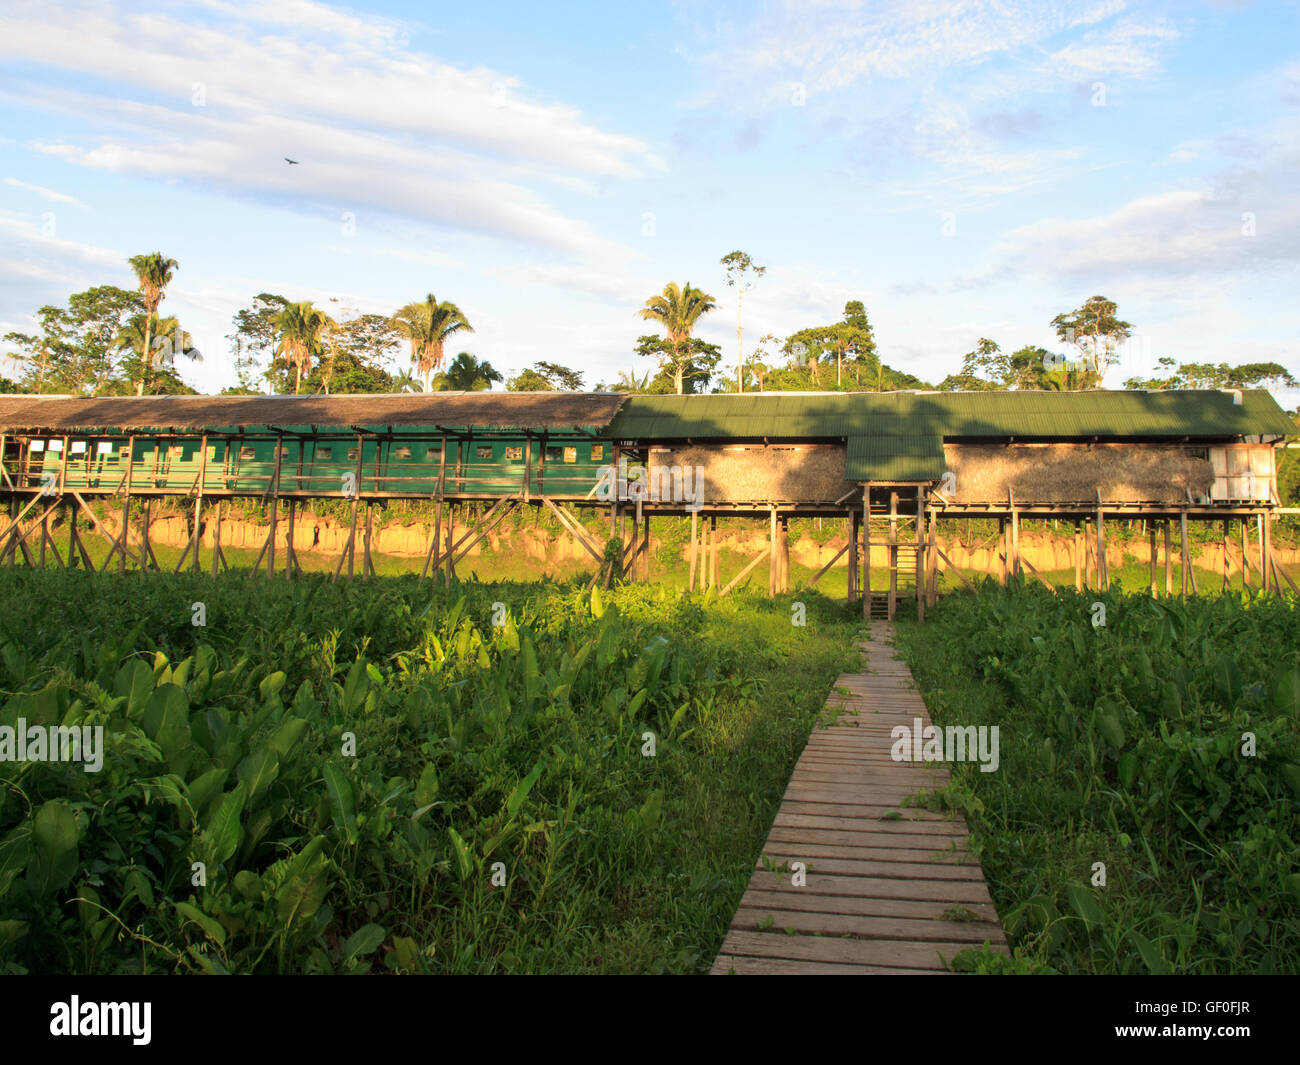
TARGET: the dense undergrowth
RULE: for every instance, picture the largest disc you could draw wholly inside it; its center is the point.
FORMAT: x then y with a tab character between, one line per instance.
1164	744
323	778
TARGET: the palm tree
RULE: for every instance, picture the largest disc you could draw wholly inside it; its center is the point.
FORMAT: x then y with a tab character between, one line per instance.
300	326
467	374
153	271
142	333
405	381
428	325
677	311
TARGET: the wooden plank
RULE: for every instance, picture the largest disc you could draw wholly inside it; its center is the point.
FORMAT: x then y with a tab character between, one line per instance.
881	885
733	965
915	956
905	929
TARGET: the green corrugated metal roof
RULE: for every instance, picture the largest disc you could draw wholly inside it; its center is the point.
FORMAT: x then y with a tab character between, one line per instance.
952	414
918	457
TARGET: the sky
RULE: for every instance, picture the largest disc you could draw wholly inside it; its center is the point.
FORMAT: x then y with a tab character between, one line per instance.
967	169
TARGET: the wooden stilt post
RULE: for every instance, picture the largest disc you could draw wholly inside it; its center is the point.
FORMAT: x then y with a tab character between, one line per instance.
290	562
1262	524
1245	561
919	560
1078	556
893	554
866	552
645	537
852	524
1185	552
713	551
783	559
1103	569
771	539
216	540
1169	562
450	570
695	547
1151	556
1003	550
1227	579
932	559
1013	556
367	568
72	534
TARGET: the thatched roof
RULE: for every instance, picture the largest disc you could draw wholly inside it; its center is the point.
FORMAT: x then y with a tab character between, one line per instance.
523	410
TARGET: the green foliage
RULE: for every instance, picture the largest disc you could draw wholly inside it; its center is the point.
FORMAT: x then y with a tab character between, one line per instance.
349	762
1126	745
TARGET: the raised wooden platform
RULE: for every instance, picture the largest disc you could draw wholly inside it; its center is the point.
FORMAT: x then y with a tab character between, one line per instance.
889	887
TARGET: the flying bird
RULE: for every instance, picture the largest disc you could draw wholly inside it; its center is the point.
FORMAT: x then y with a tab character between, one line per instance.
291	162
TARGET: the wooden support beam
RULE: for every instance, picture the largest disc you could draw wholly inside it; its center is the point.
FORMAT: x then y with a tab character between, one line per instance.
1280	573
1002	550
1263	549
893	554
852	547
932	560
1077	552
1151	557
713	551
1245	557
570	524
449	569
771	549
939	552
866	551
838	555
1103	566
367	565
748	567
645	538
216	540
1015	534
919	558
98	527
1169	562
695	522
783	556
1185	552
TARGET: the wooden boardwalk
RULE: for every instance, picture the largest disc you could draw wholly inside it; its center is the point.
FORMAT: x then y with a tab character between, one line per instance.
889	888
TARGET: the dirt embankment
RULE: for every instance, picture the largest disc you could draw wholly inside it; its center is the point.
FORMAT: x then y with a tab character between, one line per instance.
328	536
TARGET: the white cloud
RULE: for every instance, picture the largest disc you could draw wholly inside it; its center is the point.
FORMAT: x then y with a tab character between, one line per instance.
375	126
44	193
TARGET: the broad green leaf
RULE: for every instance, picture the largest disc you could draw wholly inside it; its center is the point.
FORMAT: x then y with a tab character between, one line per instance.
207	787
426	791
651	809
135	684
210	925
365	940
272	684
464	864
1291	774
1152	957
520	794
258	771
1286	694
343	801
10	933
224	830
286	737
408	954
1082	902
54	848
15	851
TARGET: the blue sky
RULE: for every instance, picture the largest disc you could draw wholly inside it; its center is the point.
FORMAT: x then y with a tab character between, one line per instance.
967	169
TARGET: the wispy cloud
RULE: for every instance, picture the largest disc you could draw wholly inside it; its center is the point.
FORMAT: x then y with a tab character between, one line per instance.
44	193
376	126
